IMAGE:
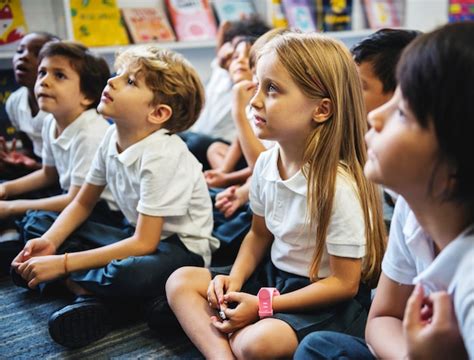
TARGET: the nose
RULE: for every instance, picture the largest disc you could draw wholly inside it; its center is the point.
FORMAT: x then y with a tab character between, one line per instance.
256	101
111	81
376	118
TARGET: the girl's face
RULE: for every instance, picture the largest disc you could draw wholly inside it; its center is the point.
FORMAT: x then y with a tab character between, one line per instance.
282	112
25	60
401	154
239	68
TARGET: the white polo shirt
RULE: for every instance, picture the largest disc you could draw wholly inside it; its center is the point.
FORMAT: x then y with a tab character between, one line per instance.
216	118
72	152
19	113
158	176
283	204
410	258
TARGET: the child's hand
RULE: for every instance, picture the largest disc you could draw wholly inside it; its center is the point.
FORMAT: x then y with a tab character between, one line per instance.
242	92
215	178
244	314
430	327
34	247
229	200
42	268
13	157
218	287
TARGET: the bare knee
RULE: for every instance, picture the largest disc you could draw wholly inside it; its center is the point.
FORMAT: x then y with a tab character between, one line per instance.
252	347
187	280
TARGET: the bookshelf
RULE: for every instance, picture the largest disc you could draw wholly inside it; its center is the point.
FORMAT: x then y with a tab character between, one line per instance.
53	16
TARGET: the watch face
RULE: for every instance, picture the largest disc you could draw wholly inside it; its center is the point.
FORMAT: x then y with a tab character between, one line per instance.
264	295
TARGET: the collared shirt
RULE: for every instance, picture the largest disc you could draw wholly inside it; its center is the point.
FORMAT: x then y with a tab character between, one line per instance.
216	118
72	152
410	258
19	113
158	176
283	204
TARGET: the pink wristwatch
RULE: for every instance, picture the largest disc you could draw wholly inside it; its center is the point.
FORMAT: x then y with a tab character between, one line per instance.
265	298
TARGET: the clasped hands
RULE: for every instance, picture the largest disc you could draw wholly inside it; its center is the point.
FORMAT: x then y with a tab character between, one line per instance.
37	262
222	291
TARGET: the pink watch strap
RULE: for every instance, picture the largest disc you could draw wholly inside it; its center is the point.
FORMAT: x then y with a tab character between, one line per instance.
265	300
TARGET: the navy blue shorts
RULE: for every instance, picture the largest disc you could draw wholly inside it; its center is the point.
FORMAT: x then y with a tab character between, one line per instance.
347	317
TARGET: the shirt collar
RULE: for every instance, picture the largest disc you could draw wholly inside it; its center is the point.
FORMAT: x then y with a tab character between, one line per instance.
297	183
67	136
439	274
135	151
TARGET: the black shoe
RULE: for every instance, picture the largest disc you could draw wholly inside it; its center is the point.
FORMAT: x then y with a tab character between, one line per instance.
80	323
17	279
160	317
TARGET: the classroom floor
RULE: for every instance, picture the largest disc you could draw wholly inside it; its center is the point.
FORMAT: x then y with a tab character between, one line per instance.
24	333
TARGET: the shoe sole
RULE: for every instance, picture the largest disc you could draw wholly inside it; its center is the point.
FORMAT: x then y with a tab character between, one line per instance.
78	325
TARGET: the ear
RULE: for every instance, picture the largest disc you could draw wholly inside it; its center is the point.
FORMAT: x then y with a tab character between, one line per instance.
323	110
86	103
160	114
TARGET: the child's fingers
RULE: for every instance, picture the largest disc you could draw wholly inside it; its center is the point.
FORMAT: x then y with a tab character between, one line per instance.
33	283
17	260
412	317
13	149
442	308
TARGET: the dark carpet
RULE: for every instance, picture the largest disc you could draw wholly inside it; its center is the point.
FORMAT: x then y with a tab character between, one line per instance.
24	333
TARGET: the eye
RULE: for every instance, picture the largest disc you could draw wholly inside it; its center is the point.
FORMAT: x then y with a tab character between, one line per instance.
130	81
60	75
41	73
271	88
20	50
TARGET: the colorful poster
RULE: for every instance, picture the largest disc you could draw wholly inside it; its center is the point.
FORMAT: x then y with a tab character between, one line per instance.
97	23
12	21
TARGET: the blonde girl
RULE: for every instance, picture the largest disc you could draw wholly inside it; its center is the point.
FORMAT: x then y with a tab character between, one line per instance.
315	214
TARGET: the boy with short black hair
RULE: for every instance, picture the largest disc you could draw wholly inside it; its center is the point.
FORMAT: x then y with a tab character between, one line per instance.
376	57
158	185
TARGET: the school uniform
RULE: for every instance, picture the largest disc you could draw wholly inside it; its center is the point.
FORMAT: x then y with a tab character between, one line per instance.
283	204
19	113
157	176
410	258
71	153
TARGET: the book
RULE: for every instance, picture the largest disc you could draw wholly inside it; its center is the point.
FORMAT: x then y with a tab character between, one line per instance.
232	10
337	15
147	25
192	19
12	22
461	10
276	17
299	14
97	23
381	13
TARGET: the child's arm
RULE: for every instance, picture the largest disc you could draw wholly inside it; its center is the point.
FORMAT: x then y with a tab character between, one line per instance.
39	179
252	251
384	331
215	178
144	241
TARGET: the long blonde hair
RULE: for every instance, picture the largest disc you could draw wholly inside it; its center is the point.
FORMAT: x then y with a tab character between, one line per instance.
322	67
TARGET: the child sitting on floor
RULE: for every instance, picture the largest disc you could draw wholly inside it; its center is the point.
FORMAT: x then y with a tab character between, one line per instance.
68	86
313	210
158	185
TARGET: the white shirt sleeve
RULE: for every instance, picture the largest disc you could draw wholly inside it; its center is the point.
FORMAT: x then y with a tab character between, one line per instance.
346	231
464	300
255	194
398	263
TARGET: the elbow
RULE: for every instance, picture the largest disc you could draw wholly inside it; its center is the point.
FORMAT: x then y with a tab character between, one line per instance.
352	289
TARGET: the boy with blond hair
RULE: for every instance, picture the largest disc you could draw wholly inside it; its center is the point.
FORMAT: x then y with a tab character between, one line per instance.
158	186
